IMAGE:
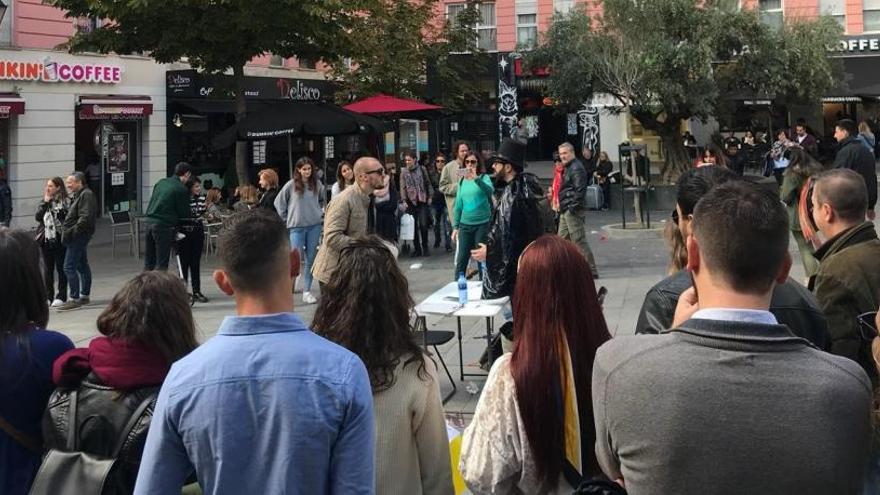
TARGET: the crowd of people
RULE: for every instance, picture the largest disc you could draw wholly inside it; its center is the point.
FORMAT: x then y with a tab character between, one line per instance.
739	379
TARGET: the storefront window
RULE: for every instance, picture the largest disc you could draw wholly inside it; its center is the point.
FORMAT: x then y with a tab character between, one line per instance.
871	15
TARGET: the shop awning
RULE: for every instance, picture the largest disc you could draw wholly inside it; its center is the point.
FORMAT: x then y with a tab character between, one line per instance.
384	104
114	107
860	80
294	118
11	104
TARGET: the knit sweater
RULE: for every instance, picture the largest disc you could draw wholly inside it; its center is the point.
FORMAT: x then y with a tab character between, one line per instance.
473	204
300	209
412	446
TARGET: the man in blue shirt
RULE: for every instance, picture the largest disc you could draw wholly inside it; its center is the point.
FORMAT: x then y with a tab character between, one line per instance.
266	406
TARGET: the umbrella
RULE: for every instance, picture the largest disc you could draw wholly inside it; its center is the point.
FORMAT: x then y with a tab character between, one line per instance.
384	104
294	118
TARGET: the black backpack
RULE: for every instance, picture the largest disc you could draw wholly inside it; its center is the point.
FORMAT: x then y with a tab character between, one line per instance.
73	472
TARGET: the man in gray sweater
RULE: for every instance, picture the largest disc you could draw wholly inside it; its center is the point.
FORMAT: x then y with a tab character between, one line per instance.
728	401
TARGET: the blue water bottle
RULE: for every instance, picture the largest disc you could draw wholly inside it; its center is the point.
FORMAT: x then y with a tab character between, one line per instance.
462	289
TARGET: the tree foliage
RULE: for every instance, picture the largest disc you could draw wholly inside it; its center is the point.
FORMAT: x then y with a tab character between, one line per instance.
220	35
670	60
401	40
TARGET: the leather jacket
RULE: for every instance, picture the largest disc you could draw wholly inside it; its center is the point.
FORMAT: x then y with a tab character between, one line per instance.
516	222
792	305
573	191
102	413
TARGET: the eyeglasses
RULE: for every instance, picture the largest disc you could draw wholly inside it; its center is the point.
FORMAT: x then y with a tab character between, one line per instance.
866	326
471	161
378	171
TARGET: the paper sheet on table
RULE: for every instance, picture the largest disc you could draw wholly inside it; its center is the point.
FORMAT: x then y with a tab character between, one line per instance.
438	308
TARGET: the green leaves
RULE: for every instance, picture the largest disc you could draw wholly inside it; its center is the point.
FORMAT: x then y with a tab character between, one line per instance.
671	60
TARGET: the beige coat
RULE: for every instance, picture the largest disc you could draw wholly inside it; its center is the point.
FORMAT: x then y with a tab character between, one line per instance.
346	218
449	184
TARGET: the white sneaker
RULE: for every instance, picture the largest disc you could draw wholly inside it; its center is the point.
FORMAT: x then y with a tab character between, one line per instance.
308	298
57	302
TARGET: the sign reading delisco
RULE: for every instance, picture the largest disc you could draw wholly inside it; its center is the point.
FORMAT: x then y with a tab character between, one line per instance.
50	71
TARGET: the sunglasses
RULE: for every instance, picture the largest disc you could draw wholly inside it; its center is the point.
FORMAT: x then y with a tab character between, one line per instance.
378	171
440	160
471	161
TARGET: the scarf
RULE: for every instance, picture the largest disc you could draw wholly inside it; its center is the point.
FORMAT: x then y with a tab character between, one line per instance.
570	416
414	181
52	220
558	172
119	364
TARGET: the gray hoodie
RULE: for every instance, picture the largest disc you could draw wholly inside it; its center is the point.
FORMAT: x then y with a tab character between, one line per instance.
300	210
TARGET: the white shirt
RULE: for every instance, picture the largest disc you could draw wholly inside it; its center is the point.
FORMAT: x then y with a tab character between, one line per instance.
738	315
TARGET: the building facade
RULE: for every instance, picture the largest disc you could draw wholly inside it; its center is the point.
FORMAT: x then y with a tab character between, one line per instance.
511	27
104	115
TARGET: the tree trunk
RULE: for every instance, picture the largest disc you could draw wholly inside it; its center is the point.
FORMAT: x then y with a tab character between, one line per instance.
677	159
241	147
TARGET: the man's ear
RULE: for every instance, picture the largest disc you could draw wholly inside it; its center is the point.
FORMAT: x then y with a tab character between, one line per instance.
295	263
693	252
221	278
782	275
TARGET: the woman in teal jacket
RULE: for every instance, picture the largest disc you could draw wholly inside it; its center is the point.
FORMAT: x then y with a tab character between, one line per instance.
472	212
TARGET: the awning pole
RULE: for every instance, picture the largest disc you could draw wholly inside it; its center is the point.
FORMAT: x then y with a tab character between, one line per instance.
290	156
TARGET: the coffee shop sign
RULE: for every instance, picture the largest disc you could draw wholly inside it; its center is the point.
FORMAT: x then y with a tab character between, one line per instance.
858	45
50	71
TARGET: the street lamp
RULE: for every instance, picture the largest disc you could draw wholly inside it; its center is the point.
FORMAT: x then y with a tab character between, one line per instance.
2	10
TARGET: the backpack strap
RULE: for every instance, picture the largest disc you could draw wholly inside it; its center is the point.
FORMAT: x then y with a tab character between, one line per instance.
20	437
71	421
132	422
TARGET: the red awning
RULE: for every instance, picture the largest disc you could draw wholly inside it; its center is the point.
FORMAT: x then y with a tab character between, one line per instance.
389	104
114	107
11	104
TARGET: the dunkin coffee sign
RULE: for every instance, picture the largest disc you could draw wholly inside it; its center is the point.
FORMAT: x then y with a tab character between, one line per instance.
51	71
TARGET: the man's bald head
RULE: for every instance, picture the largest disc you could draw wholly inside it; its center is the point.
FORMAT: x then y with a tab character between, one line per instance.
365	164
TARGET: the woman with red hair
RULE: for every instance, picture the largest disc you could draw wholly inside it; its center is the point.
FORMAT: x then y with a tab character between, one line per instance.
533	428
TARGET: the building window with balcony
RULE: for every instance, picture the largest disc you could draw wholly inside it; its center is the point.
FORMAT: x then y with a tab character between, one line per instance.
485	27
771	12
871	15
834	8
526	30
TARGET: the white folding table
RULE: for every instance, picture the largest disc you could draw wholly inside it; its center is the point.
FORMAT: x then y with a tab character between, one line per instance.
444	302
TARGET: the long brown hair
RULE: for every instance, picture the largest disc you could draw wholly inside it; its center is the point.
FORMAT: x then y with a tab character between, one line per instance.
213	196
22	293
249	194
555	301
271	177
152	309
298	183
366	308
59	183
339	178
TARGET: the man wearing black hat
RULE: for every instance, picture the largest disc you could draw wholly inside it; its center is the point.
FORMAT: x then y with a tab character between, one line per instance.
516	221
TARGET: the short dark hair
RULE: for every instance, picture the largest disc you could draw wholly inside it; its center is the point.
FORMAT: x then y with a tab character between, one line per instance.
152	309
845	191
22	293
182	168
696	182
411	154
848	125
78	176
192	182
251	245
742	231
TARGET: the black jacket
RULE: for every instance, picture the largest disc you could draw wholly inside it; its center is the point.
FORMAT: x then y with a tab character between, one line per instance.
5	203
792	304
102	413
267	200
573	191
516	222
855	156
81	216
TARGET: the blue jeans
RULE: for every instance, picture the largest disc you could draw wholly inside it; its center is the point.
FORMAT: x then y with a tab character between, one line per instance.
76	266
305	240
442	227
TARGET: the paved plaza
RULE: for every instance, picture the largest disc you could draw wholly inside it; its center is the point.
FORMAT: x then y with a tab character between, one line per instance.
628	267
